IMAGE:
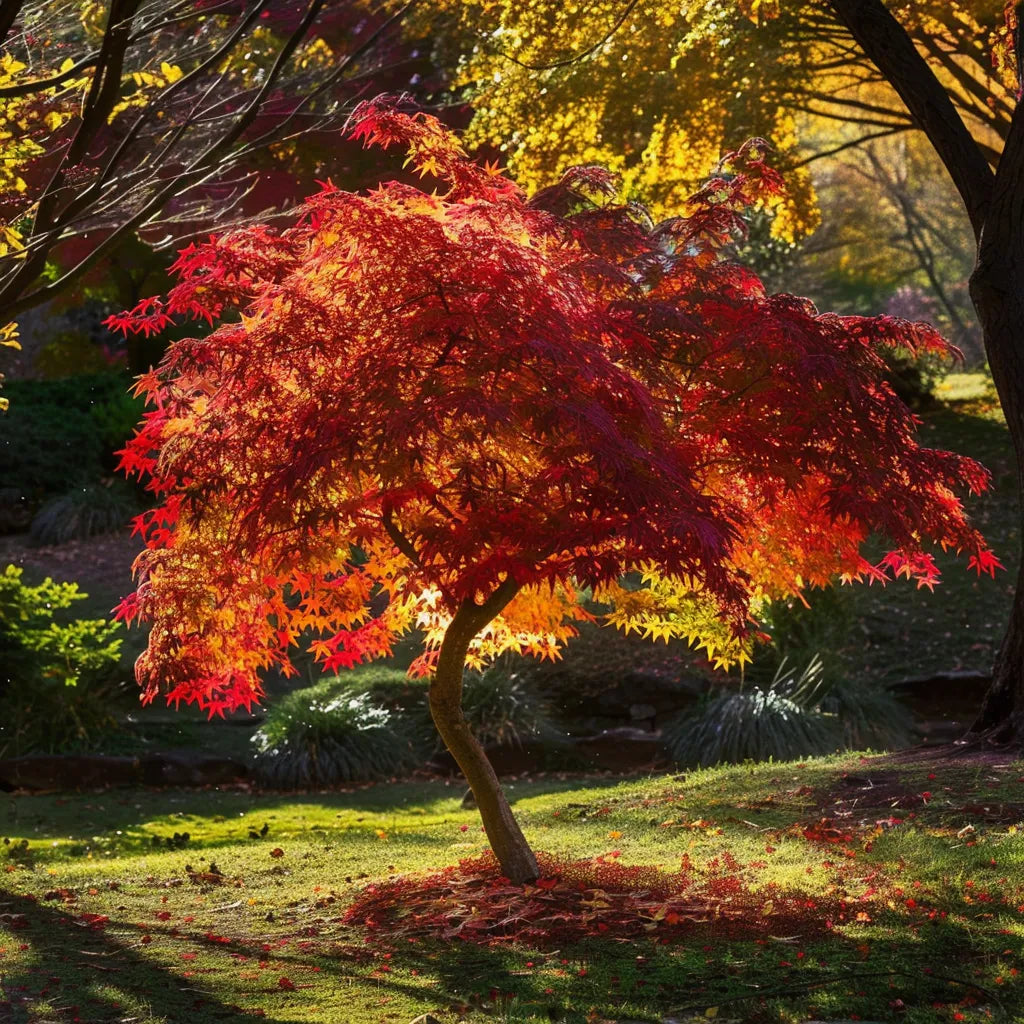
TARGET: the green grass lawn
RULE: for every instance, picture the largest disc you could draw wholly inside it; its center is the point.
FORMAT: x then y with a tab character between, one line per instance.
920	864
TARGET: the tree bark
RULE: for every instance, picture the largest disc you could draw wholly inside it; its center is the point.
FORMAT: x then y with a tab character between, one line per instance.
997	290
507	841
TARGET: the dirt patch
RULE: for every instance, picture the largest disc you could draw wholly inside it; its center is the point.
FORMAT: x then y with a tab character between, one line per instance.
101	566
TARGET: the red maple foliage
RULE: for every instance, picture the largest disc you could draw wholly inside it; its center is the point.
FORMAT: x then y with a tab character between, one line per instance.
412	399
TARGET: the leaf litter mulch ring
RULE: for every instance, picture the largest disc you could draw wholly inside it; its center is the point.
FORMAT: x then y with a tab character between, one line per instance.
583	899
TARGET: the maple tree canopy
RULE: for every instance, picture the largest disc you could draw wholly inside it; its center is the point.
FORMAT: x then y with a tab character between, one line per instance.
410	399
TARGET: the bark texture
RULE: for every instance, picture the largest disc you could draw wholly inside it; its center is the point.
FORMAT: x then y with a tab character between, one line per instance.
507	841
997	290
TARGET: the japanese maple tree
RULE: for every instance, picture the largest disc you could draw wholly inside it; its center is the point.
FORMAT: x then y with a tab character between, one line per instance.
468	412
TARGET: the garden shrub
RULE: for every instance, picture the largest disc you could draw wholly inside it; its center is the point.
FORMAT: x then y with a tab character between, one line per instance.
868	716
913	377
328	734
604	670
59	679
503	708
865	715
70	352
391	687
374	722
47	448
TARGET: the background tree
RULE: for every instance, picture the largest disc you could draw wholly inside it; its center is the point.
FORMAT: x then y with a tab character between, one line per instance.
657	90
131	117
466	413
892	232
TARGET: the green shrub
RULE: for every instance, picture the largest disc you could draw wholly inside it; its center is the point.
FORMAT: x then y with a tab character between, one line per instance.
70	352
390	687
780	721
802	632
913	378
503	708
85	511
602	657
115	416
865	716
58	680
374	722
328	734
44	449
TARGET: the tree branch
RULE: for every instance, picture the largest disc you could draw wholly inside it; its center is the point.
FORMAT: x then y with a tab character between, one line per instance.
889	47
399	539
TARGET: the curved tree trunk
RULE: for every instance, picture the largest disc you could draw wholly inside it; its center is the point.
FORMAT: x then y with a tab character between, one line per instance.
507	841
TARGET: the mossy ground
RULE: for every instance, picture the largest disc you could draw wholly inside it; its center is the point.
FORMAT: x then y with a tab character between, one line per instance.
101	921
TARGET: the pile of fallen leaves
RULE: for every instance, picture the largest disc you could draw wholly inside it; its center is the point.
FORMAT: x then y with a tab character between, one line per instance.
575	900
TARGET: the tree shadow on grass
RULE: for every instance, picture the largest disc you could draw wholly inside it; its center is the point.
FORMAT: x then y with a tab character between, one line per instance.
842	976
79	971
102	975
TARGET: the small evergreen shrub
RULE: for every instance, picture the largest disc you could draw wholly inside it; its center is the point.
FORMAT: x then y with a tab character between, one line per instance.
328	734
58	681
85	511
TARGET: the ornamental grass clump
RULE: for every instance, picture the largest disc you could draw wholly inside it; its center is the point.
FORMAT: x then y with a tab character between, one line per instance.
326	734
780	721
868	716
83	512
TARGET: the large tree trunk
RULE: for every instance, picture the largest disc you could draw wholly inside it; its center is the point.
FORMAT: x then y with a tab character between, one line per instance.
507	841
997	289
